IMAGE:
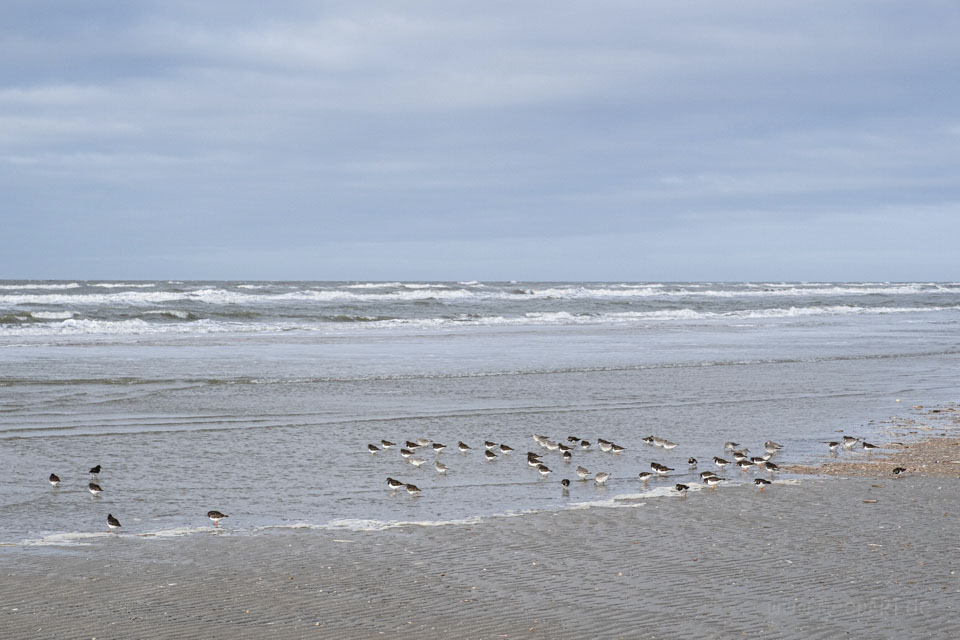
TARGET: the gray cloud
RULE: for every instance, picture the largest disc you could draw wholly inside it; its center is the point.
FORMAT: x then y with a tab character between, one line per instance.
382	140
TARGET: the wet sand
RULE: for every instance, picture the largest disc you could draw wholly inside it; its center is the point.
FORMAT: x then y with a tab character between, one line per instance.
823	558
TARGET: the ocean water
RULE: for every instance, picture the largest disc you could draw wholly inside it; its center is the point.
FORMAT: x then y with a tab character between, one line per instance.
259	398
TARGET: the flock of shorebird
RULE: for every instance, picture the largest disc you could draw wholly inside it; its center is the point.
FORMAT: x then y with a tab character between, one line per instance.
113	524
493	450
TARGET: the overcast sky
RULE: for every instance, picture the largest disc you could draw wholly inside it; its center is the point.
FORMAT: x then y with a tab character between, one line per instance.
674	140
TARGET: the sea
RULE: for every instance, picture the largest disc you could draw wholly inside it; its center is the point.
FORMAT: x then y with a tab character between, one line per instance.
259	399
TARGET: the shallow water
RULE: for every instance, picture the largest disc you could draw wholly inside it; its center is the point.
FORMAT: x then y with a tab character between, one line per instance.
259	399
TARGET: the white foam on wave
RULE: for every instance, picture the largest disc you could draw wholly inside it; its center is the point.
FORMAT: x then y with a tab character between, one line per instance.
77	326
20	287
52	315
123	285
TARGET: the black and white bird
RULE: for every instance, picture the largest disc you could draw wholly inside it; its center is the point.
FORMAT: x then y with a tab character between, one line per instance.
372	448
869	447
760	482
544	470
216	516
113	524
713	481
833	446
645	475
489	455
692	462
565	483
567	456
387	444
406	453
849	441
682	488
660	469
489	445
394	484
54	480
95	470
585	444
438	448
505	448
462	446
899	471
720	462
94	488
413	489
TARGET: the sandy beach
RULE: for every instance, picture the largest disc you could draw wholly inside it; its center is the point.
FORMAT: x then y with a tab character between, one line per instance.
821	558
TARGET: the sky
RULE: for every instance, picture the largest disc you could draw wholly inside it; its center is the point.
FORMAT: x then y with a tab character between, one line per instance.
603	140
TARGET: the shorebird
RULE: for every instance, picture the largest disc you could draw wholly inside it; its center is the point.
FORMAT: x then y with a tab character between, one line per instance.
413	489
565	484
601	478
713	481
113	524
417	462
739	455
505	448
216	517
572	439
706	474
771	467
406	453
648	440
772	447
551	445
833	446
660	469
94	488
372	448
531	462
585	444
489	445
539	439
544	470
95	470
54	479
394	484
759	462
760	482
658	441
682	488
413	446
869	447
387	444
564	448
720	462
583	472
669	445
422	442
692	462
615	448
440	467
744	465
730	446
463	446
899	471
605	446
849	441
645	475
567	456
489	455
437	447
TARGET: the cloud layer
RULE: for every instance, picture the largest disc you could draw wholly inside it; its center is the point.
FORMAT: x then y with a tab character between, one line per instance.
610	140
